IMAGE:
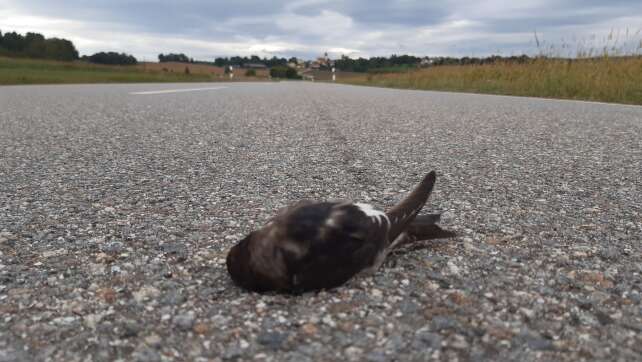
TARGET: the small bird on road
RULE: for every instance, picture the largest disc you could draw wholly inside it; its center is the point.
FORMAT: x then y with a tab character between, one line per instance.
320	245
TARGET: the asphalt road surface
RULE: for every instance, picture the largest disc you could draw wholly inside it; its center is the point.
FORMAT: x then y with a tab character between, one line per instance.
118	204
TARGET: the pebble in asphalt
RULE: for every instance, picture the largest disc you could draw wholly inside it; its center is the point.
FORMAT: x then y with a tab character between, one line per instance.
116	212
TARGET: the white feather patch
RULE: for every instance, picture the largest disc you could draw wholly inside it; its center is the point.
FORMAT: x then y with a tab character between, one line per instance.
369	211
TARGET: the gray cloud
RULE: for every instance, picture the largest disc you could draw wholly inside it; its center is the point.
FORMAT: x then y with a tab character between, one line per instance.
204	29
377	13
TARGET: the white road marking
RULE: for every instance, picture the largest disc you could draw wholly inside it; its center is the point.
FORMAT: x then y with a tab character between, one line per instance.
180	90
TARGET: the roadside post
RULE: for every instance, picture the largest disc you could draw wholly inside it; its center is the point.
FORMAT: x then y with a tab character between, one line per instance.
334	76
231	72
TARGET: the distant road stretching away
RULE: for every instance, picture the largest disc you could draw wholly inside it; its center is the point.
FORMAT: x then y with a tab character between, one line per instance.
118	204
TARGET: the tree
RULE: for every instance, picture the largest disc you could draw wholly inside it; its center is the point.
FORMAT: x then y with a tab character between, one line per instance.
60	49
13	41
291	73
274	61
171	57
219	62
35	45
113	58
238	60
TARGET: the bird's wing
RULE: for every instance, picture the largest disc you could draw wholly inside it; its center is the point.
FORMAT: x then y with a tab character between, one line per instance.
328	243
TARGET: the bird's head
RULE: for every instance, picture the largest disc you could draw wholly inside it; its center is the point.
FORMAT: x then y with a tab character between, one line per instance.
256	262
237	262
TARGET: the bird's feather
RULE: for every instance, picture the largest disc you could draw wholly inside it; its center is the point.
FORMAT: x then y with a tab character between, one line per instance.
405	211
310	246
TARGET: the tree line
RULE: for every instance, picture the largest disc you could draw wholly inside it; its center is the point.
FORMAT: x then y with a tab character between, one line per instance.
34	45
171	57
237	61
397	61
373	64
252	59
478	61
111	58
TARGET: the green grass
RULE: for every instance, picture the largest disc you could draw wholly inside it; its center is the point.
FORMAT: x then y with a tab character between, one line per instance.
33	71
605	79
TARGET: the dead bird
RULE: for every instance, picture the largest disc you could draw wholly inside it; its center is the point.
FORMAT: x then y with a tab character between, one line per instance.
321	245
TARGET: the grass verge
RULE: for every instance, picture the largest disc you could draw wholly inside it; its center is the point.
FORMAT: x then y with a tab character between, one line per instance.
33	71
604	79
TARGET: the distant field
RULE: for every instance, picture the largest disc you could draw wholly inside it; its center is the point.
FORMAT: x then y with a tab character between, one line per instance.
175	67
32	71
606	79
326	75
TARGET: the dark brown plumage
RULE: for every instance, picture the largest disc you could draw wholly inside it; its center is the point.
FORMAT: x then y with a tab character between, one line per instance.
317	245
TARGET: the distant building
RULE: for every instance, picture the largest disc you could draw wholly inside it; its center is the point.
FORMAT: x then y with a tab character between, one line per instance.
323	62
426	62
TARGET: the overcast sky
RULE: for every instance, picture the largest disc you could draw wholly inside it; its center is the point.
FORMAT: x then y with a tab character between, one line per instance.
307	28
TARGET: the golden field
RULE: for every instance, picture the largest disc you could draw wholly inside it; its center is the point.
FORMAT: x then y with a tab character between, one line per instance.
605	79
195	68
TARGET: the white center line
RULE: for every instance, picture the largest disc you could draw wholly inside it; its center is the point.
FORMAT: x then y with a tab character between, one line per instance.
180	90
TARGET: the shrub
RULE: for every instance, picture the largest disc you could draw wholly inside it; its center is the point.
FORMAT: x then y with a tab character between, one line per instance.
112	58
284	72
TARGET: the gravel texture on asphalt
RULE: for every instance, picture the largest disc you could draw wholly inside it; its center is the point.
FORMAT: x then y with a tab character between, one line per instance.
117	210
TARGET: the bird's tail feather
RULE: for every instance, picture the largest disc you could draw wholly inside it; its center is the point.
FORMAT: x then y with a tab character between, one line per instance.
402	214
425	227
